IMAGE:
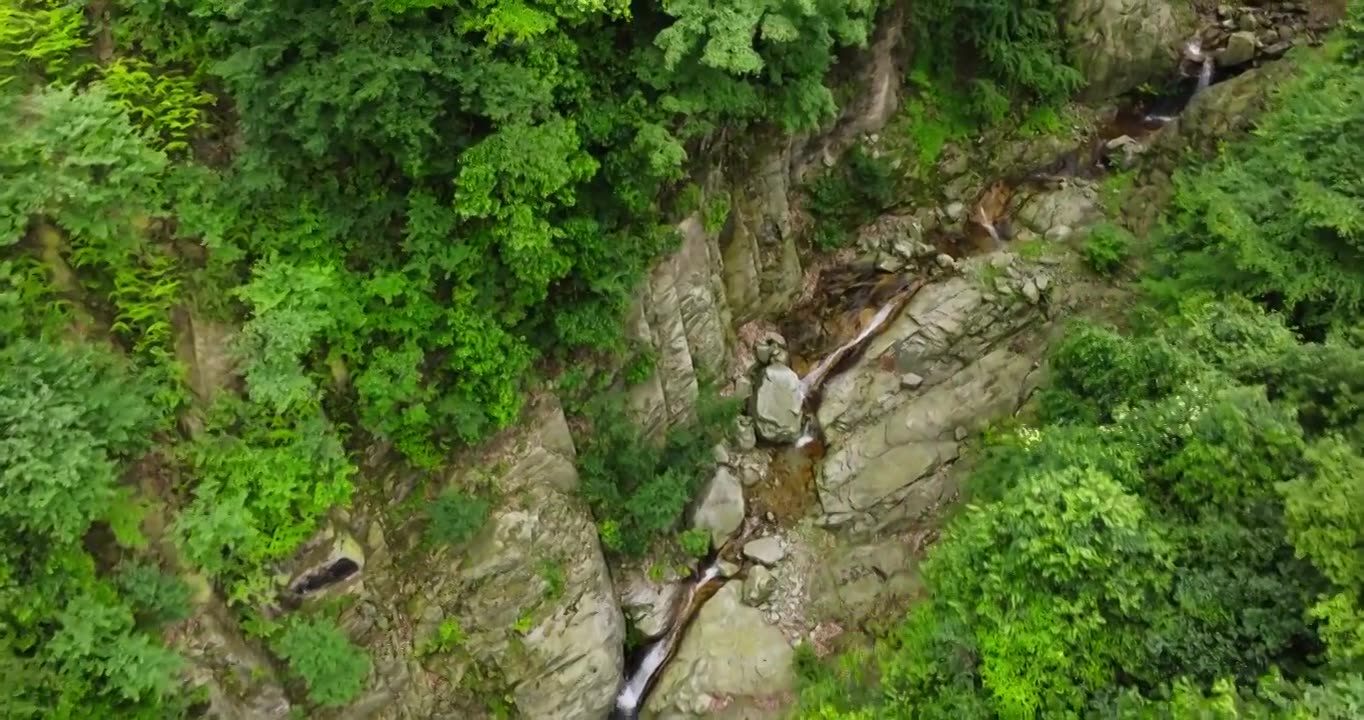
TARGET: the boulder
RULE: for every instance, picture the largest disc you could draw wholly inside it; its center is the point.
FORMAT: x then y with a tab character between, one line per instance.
758	586
731	664
648	605
777	404
976	349
767	550
854	582
1119	44
721	507
1240	49
1074	205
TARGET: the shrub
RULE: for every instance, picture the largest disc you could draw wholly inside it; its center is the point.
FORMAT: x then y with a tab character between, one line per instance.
330	666
157	598
455	516
1105	248
849	195
695	542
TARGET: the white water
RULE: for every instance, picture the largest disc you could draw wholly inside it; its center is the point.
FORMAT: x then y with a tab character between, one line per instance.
1204	76
814	377
630	696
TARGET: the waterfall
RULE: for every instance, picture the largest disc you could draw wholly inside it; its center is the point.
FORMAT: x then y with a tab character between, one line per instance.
1204	76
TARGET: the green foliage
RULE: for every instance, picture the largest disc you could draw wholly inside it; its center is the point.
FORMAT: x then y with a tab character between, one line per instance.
71	415
1017	45
1281	216
40	39
852	193
448	636
262	483
455	516
695	542
330	666
1105	248
637	486
157	598
166	104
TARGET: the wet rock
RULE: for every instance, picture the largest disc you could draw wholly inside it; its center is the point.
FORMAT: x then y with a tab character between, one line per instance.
777	404
768	550
731	652
1240	49
758	586
721	508
649	605
1120	44
729	569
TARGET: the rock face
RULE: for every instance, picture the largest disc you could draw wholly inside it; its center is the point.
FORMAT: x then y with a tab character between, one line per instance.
731	664
976	341
855	581
721	507
531	592
240	680
1073	206
777	404
681	313
1120	44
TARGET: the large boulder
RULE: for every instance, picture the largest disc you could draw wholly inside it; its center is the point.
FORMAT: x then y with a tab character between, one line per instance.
731	664
720	510
1119	44
974	342
777	404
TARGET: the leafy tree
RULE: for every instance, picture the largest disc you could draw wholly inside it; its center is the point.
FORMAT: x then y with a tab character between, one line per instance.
319	654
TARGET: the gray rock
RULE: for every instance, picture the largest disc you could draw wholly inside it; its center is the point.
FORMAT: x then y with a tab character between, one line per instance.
767	550
961	433
1119	44
945	261
731	652
955	211
1031	291
1240	49
721	508
850	583
648	605
777	404
1075	205
729	569
758	586
745	437
911	380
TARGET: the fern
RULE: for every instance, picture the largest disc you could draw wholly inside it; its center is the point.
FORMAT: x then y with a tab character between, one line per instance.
164	103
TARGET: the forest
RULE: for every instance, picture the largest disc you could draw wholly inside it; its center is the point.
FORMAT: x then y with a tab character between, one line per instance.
419	212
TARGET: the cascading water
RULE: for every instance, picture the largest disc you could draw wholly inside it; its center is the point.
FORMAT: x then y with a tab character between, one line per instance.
631	698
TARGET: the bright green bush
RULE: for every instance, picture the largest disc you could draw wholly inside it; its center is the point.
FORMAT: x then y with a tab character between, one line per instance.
332	668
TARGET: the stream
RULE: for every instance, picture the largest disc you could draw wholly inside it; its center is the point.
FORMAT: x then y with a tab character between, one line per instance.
890	293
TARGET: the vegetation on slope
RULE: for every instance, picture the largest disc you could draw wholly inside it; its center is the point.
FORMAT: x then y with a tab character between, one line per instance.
1178	534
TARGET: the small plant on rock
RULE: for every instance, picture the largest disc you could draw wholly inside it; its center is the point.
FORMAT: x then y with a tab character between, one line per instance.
695	542
455	516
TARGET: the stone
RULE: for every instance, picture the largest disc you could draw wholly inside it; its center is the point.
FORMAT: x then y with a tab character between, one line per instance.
745	437
1240	49
767	550
649	605
1059	233
1119	44
721	508
1031	291
730	651
961	433
945	261
911	380
729	569
1074	205
955	211
777	404
758	586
